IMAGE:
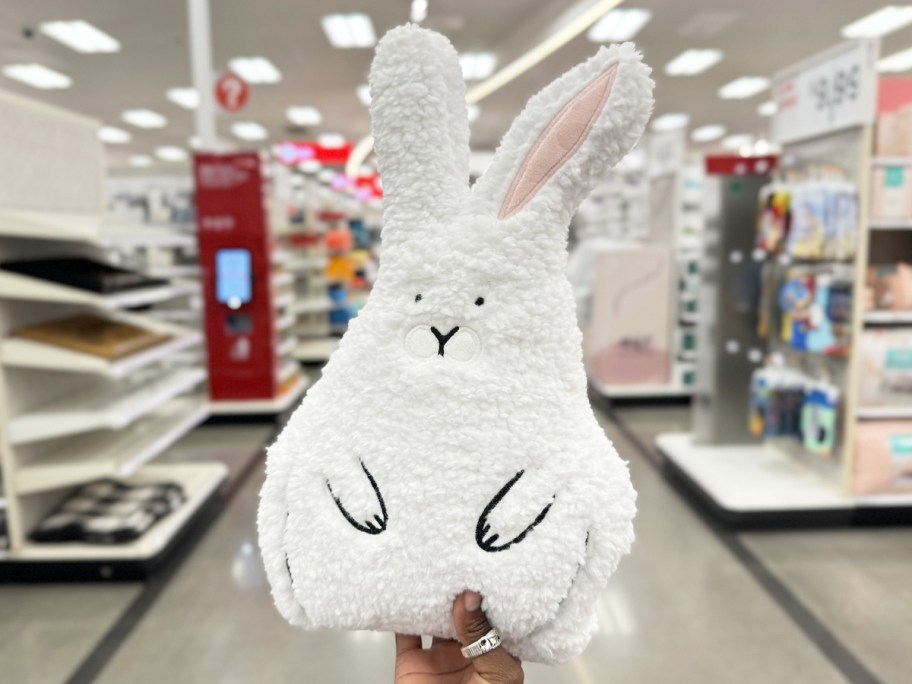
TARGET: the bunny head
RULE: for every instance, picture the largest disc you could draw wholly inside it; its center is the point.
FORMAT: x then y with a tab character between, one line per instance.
449	444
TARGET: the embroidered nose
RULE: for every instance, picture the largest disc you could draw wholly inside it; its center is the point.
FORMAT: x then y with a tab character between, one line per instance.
443	339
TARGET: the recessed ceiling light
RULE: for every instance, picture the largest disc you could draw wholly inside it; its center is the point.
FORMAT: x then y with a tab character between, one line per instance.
744	87
707	133
144	118
171	153
693	62
885	20
331	140
113	136
619	25
364	94
310	166
897	62
255	69
473	112
477	66
140	160
80	36
768	108
249	130
670	122
736	142
354	30
187	98
304	116
419	11
37	76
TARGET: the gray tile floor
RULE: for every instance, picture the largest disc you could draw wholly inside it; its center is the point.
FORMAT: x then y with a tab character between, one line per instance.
682	607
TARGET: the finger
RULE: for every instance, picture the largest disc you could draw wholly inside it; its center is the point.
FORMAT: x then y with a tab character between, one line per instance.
406	643
498	666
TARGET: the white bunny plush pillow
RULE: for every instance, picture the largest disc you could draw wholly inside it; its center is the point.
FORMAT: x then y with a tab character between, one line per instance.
449	444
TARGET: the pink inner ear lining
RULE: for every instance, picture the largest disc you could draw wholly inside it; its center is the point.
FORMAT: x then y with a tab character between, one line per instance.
559	141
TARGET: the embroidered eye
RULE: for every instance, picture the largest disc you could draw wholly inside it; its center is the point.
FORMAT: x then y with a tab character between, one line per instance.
418	297
479	301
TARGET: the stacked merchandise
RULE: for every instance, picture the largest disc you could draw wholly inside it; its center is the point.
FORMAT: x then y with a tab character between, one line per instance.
788	404
815	310
809	220
891	185
689	241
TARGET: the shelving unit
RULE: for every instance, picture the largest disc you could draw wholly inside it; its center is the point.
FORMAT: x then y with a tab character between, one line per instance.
68	418
780	481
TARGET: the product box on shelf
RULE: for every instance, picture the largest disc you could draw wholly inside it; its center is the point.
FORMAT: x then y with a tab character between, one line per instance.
891	192
883	457
886	368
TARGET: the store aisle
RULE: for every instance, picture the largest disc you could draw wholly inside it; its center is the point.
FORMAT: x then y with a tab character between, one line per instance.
681	609
852	583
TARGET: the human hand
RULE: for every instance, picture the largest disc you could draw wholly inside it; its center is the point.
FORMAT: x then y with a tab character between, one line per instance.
443	663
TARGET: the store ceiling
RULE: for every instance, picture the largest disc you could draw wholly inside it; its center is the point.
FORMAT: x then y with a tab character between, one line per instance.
758	38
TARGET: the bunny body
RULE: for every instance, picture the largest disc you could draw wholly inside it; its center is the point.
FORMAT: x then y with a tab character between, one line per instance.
450	444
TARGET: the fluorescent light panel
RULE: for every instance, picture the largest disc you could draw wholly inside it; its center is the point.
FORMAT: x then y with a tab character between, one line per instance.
255	69
670	122
331	140
304	116
113	136
171	153
418	11
768	108
144	118
885	20
477	66
187	98
736	142
364	94
707	133
249	130
80	36
744	87
37	76
619	25
693	62
354	30
897	62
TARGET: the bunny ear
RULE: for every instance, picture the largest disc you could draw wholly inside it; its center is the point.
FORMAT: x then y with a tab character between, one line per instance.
421	128
567	138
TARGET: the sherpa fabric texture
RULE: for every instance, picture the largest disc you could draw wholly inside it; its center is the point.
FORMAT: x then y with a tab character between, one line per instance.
449	444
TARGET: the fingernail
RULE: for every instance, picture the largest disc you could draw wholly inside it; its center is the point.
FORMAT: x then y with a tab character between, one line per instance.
472	601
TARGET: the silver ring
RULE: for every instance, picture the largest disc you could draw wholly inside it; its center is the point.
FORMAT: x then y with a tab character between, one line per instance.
486	644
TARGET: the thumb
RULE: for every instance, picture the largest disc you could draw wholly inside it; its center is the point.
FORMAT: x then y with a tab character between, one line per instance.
496	667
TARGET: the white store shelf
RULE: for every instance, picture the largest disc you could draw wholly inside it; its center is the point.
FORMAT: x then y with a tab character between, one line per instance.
198	480
287	346
316	350
101	409
286	370
640	391
884	413
889	224
282	279
20	352
117	454
759	479
312	305
307	263
18	286
284	300
89	228
285	322
261	406
887	317
176	271
892	161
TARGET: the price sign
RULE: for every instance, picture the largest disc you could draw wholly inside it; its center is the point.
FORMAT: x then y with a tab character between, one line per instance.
830	92
231	92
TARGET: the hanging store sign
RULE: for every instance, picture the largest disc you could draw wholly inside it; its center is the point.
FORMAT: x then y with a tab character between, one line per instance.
231	92
833	91
294	152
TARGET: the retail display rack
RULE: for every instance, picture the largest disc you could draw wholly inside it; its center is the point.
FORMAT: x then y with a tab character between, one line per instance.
70	417
827	455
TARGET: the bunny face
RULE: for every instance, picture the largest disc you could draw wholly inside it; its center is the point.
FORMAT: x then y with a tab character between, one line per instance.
449	444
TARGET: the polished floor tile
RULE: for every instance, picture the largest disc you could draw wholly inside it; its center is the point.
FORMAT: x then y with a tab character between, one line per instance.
680	609
46	631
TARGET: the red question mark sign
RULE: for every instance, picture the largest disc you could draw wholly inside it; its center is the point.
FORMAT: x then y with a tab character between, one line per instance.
232	92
